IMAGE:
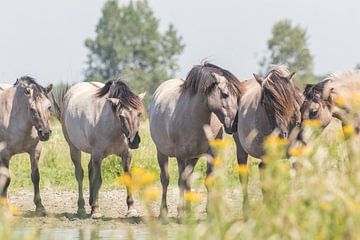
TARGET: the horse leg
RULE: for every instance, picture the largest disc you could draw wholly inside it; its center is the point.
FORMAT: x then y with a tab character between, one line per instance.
35	177
182	185
126	164
164	177
242	158
262	180
79	174
4	179
95	184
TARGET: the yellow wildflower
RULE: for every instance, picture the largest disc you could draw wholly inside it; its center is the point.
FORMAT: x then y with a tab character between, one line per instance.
136	171
14	209
298	151
124	180
340	101
312	123
242	169
218	143
209	181
216	161
349	131
151	194
276	140
193	197
146	179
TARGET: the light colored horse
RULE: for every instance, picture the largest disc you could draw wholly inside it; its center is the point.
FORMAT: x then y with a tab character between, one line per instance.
178	112
24	115
320	99
101	120
268	104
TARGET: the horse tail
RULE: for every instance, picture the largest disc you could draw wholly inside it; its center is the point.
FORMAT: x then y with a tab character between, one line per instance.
57	98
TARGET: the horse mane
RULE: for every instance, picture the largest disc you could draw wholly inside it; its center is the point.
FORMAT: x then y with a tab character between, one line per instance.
27	81
116	88
280	94
199	80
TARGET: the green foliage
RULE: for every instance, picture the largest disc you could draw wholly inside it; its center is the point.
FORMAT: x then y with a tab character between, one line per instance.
128	42
288	45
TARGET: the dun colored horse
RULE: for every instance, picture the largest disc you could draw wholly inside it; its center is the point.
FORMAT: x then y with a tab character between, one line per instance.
101	120
178	112
24	115
268	104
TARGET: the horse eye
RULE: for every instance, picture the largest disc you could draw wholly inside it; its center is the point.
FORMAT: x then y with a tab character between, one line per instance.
313	113
224	95
49	108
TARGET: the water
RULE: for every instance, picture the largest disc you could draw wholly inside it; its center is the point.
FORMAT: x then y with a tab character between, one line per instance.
136	232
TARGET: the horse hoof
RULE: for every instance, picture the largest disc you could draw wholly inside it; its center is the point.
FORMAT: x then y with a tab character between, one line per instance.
81	213
97	216
132	213
40	211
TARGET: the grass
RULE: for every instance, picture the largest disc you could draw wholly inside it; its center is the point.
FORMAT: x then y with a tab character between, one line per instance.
320	199
57	170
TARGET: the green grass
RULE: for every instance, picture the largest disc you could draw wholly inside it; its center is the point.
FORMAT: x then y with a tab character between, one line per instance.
57	170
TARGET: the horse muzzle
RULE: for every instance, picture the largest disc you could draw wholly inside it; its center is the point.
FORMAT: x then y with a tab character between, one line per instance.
134	144
44	135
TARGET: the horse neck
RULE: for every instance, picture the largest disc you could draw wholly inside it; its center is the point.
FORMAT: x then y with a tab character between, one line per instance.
198	106
14	106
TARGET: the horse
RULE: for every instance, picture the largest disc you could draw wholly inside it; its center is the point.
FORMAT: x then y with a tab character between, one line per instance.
178	112
100	119
320	99
268	105
24	122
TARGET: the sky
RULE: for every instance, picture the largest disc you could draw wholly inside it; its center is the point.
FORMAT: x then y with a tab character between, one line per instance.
45	39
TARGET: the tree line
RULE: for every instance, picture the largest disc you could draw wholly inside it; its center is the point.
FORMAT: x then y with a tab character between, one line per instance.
129	42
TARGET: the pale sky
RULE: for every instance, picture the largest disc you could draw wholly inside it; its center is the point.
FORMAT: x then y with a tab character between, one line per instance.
45	38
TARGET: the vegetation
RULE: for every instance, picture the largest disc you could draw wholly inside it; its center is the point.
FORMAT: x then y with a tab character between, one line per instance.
128	41
288	45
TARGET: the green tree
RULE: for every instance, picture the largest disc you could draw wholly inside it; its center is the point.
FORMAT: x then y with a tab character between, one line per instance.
128	42
288	45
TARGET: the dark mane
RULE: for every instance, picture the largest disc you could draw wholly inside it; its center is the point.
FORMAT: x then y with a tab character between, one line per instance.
116	88
314	92
199	80
27	81
280	95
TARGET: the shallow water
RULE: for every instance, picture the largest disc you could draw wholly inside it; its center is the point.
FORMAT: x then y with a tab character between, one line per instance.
136	232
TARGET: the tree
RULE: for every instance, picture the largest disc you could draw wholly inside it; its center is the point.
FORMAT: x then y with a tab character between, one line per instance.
128	42
288	45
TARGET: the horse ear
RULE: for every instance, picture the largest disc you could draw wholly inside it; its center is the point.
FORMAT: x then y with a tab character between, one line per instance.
291	75
216	77
113	101
258	78
49	88
142	95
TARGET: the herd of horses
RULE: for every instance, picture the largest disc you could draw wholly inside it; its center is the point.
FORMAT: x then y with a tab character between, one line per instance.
104	119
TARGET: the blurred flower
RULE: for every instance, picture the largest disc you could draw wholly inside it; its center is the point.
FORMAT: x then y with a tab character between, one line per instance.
312	123
146	179
348	130
340	101
216	161
151	194
242	169
123	180
193	197
298	151
209	181
276	140
325	206
219	143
